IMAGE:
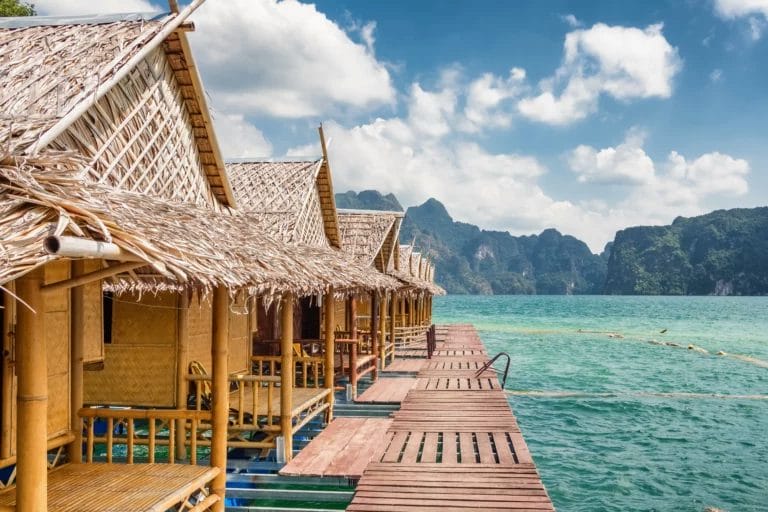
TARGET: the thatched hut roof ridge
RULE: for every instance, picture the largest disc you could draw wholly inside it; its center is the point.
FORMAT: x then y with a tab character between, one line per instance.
56	68
369	235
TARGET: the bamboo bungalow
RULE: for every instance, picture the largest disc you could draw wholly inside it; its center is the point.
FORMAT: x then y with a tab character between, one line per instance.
371	237
108	159
413	314
293	201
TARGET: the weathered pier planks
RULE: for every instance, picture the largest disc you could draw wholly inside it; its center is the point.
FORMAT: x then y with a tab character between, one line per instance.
454	445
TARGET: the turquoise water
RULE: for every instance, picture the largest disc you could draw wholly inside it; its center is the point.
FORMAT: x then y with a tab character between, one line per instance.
635	423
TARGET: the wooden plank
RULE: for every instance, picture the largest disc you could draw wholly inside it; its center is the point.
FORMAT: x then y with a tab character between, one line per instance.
429	453
455	443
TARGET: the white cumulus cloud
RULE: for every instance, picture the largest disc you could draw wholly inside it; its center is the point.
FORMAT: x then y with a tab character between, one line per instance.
659	192
623	62
285	59
755	12
240	139
625	164
83	7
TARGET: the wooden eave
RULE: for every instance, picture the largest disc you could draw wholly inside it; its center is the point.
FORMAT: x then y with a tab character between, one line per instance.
179	55
328	204
387	250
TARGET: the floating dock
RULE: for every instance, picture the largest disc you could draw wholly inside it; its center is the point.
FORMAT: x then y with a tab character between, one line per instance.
453	444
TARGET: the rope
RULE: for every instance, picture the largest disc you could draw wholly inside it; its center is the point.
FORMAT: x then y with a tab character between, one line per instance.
638	394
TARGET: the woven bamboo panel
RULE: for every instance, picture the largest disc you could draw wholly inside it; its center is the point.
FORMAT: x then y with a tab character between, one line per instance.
146	320
93	349
56	331
200	327
283	197
134	375
139	137
239	357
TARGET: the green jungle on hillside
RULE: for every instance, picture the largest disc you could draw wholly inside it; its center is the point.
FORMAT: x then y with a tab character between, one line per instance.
721	253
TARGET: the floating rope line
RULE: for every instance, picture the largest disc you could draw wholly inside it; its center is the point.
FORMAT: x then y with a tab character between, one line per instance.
637	394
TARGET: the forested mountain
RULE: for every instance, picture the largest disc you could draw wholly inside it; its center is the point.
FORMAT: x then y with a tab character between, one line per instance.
368	200
724	252
471	260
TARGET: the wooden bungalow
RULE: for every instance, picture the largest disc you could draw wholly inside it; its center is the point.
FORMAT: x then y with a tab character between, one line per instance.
413	313
371	237
293	201
111	176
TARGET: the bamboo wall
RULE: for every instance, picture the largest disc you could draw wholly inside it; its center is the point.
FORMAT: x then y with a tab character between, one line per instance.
200	328
140	363
54	320
239	336
56	331
141	138
93	349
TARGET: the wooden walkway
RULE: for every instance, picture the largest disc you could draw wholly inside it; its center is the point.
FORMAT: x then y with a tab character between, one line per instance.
387	390
343	449
454	445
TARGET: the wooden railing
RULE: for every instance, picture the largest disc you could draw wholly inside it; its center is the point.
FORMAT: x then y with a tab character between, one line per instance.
410	335
253	406
304	368
139	433
55	447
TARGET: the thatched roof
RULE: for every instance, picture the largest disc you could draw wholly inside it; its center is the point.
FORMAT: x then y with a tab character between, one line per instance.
370	236
415	272
293	200
54	69
185	244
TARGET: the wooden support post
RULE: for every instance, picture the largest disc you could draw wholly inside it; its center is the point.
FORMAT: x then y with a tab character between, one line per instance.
182	385
330	321
392	315
286	373
375	334
411	314
383	330
353	348
77	340
220	385
32	398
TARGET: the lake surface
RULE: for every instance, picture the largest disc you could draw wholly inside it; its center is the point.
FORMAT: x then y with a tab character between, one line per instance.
635	423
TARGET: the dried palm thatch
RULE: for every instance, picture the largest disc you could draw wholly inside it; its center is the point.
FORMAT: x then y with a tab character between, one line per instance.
369	236
286	198
120	89
409	271
185	244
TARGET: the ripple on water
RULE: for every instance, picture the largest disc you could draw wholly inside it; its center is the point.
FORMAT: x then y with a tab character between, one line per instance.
625	449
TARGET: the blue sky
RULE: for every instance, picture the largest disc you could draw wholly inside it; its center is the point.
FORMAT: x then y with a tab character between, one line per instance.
518	115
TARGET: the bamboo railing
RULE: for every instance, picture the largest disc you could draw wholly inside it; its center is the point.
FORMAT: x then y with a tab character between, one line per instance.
138	434
408	336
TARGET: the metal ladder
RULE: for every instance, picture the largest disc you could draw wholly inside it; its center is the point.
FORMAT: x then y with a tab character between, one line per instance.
499	372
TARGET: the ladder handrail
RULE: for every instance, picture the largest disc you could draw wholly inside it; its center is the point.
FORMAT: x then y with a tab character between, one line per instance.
493	360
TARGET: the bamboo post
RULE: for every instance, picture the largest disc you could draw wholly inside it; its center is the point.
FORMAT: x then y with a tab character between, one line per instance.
353	347
32	398
392	314
220	385
77	334
182	350
383	330
286	373
375	334
9	303
330	321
